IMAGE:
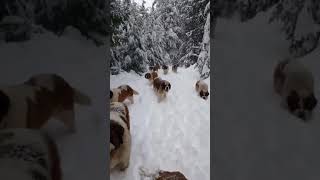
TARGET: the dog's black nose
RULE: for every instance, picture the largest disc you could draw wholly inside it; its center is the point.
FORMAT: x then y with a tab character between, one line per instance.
302	115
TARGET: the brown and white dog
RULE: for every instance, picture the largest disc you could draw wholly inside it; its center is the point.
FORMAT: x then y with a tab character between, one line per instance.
120	138
165	69
156	67
161	88
175	68
151	76
202	89
295	84
32	103
123	92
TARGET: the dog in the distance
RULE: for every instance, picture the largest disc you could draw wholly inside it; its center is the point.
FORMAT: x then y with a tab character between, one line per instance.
161	88
32	103
295	84
151	76
151	68
120	138
202	89
165	69
122	93
175	68
156	67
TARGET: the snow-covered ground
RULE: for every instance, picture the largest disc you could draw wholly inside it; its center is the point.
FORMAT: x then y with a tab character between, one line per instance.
172	135
254	137
83	65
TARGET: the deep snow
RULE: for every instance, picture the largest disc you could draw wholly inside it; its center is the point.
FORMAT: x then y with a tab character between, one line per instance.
172	135
254	137
83	154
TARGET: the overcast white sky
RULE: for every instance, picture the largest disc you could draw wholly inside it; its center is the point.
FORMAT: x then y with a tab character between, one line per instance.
148	2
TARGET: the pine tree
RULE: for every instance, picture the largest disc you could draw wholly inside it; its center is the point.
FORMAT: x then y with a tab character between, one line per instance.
203	63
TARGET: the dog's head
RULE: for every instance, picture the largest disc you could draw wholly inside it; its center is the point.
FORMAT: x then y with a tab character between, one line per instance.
147	75
151	68
204	94
301	104
4	105
164	67
111	94
116	134
175	66
165	85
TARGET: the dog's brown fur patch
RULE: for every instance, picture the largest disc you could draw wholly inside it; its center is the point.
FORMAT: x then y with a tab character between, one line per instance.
156	67
116	134
174	175
125	92
127	116
48	102
157	83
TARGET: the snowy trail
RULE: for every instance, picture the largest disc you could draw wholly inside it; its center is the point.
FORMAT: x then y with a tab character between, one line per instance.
255	138
171	135
81	64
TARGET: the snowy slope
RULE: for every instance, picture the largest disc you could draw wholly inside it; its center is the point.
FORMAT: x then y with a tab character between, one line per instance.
172	135
254	137
82	64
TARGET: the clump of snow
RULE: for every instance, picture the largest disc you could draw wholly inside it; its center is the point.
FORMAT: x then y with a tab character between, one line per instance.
173	135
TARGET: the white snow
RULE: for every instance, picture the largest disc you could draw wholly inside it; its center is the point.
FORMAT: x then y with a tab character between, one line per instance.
172	135
83	154
254	137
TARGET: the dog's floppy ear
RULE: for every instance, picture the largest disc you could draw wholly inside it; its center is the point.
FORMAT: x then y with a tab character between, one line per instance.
310	102
116	134
169	86
4	105
147	75
293	100
111	94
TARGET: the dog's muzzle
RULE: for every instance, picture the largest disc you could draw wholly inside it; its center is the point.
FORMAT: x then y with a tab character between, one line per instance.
166	88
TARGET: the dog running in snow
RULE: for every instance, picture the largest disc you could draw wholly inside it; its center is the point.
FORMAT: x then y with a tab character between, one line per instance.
32	103
161	88
175	68
295	84
120	138
165	69
202	89
122	93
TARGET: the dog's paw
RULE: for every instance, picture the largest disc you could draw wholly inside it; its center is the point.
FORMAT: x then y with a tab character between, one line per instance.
123	166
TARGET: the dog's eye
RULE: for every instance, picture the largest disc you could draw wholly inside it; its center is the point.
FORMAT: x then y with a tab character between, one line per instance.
293	101
310	102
